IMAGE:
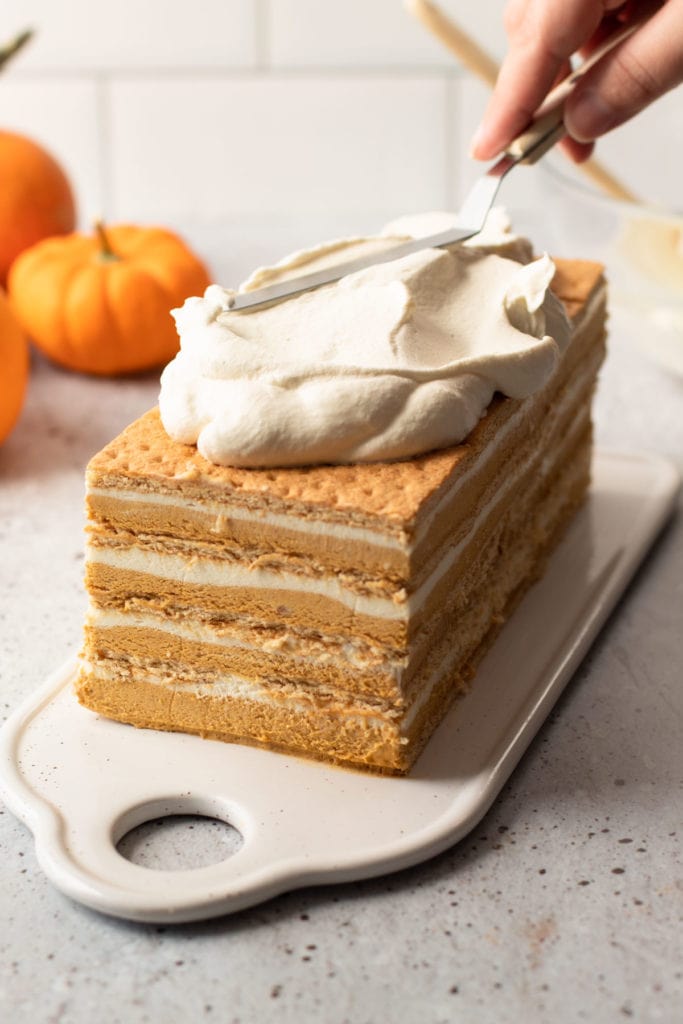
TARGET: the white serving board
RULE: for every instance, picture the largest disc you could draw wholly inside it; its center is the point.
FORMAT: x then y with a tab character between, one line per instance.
81	782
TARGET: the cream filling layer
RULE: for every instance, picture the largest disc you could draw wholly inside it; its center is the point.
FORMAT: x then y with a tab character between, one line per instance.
224	512
399	607
235	687
348	652
217	573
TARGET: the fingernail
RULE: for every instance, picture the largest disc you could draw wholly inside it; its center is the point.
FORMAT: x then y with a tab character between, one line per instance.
588	116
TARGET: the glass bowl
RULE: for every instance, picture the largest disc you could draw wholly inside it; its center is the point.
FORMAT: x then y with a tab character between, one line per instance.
641	247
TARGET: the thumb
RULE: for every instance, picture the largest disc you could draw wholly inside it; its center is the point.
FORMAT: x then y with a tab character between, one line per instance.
642	68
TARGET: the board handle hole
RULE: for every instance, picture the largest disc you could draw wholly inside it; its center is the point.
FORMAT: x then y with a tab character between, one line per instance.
176	838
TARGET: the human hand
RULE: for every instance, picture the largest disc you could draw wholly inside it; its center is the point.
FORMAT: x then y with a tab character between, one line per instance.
543	34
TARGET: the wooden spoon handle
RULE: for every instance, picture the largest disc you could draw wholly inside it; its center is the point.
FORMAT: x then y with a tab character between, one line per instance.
461	45
10	49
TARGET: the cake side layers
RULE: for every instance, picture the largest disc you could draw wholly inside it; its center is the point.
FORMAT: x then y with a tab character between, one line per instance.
335	727
514	578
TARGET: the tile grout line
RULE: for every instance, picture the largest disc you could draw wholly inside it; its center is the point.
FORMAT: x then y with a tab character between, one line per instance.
453	112
263	17
265	71
102	84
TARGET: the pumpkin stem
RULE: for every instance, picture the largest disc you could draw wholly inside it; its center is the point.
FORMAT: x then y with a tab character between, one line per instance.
9	49
106	253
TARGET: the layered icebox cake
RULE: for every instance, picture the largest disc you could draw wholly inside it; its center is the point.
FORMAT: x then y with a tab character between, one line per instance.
336	608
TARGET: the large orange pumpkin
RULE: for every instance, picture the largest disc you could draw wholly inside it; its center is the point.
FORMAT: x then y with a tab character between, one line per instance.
101	303
36	200
13	367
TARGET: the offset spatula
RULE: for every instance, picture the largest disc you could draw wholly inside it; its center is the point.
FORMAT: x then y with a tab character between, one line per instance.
544	131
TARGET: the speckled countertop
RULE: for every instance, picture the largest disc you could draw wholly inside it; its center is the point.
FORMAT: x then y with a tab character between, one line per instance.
564	904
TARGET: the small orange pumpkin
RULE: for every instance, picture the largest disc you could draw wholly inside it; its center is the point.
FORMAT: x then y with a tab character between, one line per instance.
14	363
101	303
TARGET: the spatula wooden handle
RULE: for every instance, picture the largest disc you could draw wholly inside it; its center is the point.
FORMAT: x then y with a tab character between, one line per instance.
10	49
539	137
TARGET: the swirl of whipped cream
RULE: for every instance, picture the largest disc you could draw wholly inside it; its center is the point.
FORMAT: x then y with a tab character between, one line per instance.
387	363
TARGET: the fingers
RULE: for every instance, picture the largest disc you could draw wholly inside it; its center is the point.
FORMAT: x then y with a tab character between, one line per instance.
542	34
576	151
638	71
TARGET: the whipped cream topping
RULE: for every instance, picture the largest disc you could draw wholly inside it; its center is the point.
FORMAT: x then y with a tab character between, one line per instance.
390	362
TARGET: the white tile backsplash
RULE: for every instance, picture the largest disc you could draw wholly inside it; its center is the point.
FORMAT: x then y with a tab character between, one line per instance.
647	152
61	115
123	34
288	118
310	33
202	149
